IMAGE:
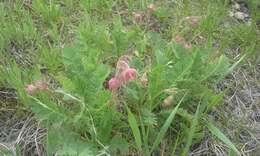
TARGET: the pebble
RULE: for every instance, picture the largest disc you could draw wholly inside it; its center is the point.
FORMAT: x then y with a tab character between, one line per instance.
240	15
236	6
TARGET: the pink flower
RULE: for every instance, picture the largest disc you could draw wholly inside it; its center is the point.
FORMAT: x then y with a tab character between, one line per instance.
124	77
129	74
123	74
41	85
38	85
114	83
30	89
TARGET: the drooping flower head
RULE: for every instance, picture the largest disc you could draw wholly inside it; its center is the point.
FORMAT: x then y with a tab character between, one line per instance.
123	75
41	85
114	83
30	89
129	74
38	85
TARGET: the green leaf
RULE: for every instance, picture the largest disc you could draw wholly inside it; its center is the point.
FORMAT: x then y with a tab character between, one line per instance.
218	67
47	110
67	84
191	131
106	125
134	127
65	142
166	125
215	100
148	117
100	74
118	143
235	64
160	57
215	131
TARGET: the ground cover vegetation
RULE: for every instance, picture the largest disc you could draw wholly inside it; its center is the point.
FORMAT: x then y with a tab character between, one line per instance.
129	77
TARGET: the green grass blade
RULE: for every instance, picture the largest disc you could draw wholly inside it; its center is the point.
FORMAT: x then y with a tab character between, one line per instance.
191	131
235	64
215	131
43	105
165	126
175	144
134	127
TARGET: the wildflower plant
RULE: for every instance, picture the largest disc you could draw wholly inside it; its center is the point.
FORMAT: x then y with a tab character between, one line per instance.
121	89
83	116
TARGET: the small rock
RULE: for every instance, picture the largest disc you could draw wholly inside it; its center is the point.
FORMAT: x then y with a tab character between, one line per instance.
240	15
231	14
236	6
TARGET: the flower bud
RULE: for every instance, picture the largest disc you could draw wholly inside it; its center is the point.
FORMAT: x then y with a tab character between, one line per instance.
114	84
121	66
30	89
167	101
41	85
129	74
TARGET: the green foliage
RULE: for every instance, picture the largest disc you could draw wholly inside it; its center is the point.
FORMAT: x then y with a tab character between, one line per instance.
81	106
50	12
118	145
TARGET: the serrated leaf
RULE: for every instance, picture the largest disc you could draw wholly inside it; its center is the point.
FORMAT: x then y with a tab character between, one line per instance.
120	144
148	117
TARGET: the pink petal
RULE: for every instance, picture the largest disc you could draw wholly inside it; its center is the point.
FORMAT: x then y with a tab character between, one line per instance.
30	89
129	74
114	84
41	85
